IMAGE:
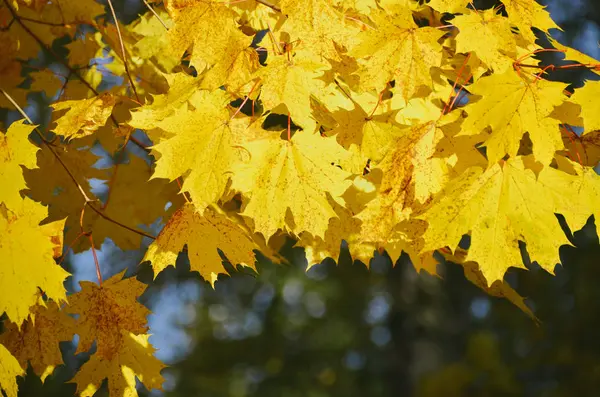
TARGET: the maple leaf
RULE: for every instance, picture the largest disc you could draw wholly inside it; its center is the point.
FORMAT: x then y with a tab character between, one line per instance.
9	370
512	105
525	14
317	25
574	55
294	175
372	133
182	88
586	97
29	248
406	167
38	343
499	46
15	151
107	310
83	115
493	206
291	82
205	135
397	50
203	234
133	359
209	28
452	6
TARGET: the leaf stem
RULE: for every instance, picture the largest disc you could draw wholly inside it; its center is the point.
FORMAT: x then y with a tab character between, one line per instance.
268	4
155	14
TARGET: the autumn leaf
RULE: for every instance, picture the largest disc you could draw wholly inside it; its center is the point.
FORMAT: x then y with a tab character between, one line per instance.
107	310
15	151
294	175
9	370
205	135
37	342
492	205
525	14
397	50
586	97
512	105
203	234
133	359
28	247
291	83
84	116
498	49
209	30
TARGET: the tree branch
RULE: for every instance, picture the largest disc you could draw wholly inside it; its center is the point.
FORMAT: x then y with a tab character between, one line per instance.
112	10
270	5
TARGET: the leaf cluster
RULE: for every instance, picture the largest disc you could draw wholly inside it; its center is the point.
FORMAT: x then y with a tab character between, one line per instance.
396	126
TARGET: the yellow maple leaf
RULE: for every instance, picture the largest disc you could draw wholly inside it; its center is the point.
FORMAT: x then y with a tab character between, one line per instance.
182	87
499	47
291	175
574	55
372	133
15	151
234	72
525	14
37	343
291	82
9	370
209	29
107	310
512	105
451	6
587	98
492	205
133	359
203	234
82	50
397	50
84	117
200	142
317	25
408	175
29	248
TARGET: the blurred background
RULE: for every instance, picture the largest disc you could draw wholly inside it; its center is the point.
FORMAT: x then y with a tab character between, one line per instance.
342	330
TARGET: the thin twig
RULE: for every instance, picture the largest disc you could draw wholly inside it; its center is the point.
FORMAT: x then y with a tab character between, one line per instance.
98	273
155	14
270	5
112	10
43	22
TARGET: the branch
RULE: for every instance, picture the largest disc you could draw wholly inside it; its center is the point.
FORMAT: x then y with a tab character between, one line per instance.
156	14
112	10
270	5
